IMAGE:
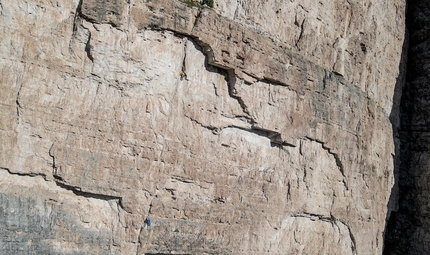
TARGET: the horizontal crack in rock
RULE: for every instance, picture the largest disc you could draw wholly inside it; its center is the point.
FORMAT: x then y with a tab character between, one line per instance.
24	174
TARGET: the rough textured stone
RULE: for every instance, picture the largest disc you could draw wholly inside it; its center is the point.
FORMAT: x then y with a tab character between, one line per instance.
276	139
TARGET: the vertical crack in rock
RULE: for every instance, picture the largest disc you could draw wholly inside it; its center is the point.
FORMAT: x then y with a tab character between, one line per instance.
119	210
349	18
18	104
198	17
302	28
305	174
326	78
88	47
77	17
129	6
236	11
77	22
139	240
336	158
183	68
54	165
215	89
231	83
333	221
353	242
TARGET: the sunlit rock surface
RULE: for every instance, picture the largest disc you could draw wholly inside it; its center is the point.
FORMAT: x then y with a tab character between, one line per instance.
254	127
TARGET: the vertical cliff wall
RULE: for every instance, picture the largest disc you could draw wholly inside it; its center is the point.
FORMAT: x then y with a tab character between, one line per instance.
253	127
408	229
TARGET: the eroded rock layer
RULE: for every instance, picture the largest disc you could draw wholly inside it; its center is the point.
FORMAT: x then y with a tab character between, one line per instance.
255	127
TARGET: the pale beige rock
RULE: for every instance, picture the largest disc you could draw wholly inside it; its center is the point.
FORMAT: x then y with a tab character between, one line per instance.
276	141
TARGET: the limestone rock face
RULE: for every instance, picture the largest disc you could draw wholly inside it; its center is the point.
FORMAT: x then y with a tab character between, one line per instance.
255	127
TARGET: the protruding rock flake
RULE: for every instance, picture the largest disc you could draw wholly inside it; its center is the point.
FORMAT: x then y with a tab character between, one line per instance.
237	127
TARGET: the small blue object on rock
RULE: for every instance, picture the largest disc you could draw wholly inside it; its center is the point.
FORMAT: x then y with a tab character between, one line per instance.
148	222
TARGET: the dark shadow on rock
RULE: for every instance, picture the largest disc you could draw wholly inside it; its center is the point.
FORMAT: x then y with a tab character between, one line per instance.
390	236
411	127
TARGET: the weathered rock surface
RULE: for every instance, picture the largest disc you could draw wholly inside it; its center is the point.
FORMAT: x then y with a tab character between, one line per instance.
276	141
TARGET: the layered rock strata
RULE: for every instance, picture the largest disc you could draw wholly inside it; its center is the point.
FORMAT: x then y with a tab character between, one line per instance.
258	127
